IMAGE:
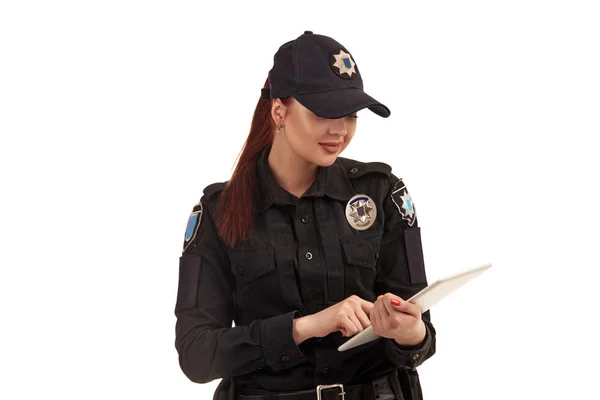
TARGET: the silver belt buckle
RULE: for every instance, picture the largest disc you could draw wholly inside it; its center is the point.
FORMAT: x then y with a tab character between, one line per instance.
320	388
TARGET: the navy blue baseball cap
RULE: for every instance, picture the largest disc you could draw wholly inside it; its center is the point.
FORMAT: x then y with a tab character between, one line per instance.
322	75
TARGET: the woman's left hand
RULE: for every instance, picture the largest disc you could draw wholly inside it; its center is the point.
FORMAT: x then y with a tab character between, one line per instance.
395	318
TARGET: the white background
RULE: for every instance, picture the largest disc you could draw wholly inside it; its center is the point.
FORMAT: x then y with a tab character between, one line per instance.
114	116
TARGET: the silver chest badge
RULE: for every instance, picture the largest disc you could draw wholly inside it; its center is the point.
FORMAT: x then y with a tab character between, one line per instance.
361	212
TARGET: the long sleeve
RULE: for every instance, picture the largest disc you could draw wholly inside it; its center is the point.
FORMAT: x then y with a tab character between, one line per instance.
401	270
209	347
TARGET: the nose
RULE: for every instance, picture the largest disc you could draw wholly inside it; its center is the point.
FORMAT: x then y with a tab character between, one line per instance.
338	127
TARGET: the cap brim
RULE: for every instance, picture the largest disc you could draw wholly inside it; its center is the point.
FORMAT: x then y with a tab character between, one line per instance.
341	103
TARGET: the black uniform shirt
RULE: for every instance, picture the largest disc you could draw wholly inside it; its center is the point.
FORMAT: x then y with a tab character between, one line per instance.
303	256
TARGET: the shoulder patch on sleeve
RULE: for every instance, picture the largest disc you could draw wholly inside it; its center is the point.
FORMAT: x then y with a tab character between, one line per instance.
403	202
192	225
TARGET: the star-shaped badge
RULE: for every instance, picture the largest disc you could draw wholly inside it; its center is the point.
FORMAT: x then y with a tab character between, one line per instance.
407	205
404	202
344	63
361	212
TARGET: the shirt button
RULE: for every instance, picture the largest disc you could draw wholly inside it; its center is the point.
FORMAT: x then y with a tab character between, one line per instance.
304	220
314	295
240	271
354	170
308	255
325	370
377	256
285	358
416	356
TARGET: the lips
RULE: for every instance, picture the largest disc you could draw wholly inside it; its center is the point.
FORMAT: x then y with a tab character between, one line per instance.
331	147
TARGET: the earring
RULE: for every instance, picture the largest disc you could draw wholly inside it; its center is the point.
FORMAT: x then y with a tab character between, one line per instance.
279	128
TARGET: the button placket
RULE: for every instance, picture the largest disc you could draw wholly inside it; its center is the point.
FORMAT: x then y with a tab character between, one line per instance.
308	254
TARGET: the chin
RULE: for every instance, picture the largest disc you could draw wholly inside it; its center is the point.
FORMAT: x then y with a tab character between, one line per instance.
323	158
326	161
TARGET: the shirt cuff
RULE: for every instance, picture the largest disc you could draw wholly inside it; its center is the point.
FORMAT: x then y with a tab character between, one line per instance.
409	356
277	340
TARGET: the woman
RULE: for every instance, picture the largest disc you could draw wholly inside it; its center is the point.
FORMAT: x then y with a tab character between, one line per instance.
303	249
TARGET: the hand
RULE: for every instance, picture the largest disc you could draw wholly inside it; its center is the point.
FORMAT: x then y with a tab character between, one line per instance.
395	318
349	316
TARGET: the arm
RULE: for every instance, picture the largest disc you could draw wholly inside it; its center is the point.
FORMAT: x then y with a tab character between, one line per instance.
208	347
401	270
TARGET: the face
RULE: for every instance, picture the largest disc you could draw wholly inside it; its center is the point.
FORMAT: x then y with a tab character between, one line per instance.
315	139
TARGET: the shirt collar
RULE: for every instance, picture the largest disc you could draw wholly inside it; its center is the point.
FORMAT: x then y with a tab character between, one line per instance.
331	181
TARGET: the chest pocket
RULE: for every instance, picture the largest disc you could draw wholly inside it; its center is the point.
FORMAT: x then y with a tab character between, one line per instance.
360	255
257	284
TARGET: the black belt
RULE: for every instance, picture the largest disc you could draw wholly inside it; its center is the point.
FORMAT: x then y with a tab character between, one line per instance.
380	387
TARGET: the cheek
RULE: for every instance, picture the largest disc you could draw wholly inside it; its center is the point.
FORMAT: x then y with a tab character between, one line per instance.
308	135
302	141
348	139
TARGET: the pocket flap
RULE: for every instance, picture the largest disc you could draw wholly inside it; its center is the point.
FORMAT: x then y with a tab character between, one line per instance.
251	264
361	251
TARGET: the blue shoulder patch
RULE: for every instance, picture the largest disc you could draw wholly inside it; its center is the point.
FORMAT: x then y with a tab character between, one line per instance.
192	225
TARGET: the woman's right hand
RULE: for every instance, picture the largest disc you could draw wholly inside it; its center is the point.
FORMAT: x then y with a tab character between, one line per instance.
349	316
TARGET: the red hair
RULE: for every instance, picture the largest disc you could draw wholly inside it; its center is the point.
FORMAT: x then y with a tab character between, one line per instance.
236	204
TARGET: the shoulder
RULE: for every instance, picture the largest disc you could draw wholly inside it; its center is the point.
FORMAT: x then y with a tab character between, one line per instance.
358	169
211	194
213	190
204	208
209	199
376	177
355	170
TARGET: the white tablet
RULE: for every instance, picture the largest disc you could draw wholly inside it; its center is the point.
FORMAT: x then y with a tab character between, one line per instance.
425	299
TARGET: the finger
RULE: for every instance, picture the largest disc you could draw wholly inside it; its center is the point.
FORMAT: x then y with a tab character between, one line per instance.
386	301
374	316
366	306
383	312
363	318
407	308
356	322
377	312
346	326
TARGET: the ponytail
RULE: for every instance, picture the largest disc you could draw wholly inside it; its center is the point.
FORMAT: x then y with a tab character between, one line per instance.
236	204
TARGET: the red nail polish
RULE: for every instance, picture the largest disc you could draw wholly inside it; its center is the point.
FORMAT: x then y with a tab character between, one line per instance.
395	302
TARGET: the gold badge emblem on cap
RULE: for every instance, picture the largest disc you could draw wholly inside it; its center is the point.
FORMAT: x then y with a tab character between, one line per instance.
344	63
361	212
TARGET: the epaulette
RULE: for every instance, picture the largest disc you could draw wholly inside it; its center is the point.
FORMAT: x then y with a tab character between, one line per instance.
356	169
214	188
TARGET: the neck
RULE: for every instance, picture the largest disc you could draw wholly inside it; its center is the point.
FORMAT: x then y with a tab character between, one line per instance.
291	172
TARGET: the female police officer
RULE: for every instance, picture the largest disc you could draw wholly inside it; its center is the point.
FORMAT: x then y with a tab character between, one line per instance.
302	249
